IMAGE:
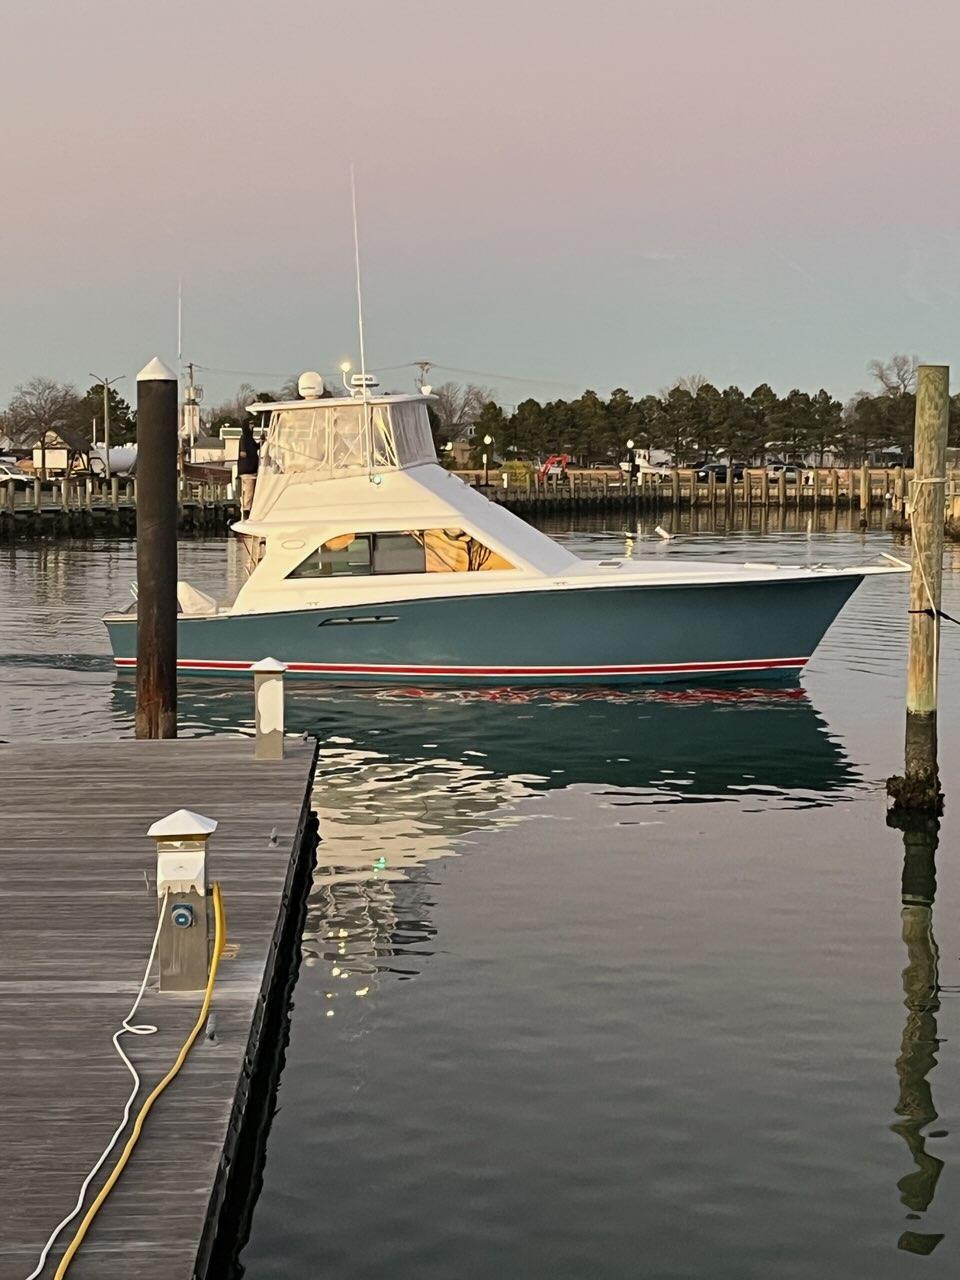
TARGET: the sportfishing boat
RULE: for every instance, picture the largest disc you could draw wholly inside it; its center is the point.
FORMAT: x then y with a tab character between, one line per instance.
372	563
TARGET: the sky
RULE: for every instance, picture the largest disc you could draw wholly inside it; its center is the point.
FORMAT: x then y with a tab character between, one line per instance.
551	196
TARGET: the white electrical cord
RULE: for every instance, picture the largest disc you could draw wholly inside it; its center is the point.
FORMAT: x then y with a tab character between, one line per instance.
126	1028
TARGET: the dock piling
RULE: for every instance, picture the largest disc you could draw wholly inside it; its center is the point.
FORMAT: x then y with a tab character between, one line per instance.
156	714
268	704
919	788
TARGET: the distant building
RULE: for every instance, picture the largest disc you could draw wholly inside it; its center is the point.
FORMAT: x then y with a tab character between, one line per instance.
60	451
222	449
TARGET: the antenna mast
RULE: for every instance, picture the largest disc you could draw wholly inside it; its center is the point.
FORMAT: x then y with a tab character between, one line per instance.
356	255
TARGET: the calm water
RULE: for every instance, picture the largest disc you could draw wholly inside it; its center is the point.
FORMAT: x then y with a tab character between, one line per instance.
595	986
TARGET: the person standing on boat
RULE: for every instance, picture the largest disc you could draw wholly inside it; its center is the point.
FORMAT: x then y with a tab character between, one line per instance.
248	463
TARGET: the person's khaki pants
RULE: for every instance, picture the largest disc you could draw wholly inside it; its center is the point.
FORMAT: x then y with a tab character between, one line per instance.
247	486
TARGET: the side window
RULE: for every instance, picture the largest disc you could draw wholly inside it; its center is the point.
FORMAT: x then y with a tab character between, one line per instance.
398	553
455	551
420	551
345	556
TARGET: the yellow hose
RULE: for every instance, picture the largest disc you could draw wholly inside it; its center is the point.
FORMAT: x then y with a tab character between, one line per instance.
118	1168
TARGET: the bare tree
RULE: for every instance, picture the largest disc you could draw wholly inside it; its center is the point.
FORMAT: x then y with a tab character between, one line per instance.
691	382
458	408
897	376
41	408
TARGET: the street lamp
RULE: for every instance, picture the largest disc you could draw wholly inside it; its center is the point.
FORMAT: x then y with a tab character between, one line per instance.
107	384
487	442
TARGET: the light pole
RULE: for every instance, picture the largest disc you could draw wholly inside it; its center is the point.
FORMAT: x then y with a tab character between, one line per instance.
487	442
107	384
629	461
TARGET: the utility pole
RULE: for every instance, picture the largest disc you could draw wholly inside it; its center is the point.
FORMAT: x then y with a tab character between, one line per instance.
107	384
191	408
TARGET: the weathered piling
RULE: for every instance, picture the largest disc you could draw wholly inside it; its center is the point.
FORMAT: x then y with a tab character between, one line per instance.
156	715
919	788
268	708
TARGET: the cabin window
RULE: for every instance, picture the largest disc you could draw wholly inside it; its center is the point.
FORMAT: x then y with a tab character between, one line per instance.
346	556
406	551
456	551
398	553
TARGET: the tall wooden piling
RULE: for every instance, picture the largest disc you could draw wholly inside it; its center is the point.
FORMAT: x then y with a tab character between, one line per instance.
919	788
156	715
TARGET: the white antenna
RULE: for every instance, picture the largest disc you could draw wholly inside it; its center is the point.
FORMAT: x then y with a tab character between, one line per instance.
180	326
356	254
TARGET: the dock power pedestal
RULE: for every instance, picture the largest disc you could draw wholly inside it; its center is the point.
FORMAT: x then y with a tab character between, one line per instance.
183	948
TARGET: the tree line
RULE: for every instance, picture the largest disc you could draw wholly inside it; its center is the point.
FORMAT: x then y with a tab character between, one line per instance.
692	420
44	406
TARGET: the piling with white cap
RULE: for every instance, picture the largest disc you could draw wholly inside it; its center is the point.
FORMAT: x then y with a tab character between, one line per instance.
268	706
156	715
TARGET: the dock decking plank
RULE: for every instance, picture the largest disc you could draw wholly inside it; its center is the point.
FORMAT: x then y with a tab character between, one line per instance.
78	920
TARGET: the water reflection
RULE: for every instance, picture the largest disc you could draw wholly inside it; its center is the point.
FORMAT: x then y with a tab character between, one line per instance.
920	1041
405	778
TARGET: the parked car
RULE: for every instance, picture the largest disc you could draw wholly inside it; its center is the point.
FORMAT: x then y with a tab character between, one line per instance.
719	469
790	471
9	471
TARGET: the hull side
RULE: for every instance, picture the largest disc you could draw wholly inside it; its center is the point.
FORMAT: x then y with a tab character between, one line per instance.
616	635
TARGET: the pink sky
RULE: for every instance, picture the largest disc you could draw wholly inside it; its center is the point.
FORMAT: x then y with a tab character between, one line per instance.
589	194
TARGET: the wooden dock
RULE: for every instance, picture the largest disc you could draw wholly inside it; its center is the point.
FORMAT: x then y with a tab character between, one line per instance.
815	488
77	884
80	505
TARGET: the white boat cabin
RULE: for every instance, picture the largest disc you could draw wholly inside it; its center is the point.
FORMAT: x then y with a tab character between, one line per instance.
351	489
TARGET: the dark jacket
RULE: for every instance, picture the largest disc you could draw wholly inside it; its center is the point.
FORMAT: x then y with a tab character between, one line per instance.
248	458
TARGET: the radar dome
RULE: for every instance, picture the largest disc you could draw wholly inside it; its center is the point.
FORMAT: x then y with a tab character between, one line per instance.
310	385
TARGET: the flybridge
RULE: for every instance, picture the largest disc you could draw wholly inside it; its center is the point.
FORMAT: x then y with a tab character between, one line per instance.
328	439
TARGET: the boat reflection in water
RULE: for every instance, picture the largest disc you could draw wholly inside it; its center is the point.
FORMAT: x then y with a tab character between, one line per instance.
405	777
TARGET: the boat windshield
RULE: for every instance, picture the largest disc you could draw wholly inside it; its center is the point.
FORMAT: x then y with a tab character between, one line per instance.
347	439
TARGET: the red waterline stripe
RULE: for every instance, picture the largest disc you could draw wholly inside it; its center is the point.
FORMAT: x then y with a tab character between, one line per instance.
342	668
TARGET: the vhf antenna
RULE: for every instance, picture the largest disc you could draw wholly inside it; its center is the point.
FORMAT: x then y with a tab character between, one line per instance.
356	255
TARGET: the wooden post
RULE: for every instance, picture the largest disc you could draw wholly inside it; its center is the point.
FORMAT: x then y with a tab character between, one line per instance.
156	714
782	488
919	788
675	486
114	492
268	706
865	485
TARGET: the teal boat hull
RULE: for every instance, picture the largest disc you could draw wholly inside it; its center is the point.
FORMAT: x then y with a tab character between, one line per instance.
602	635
